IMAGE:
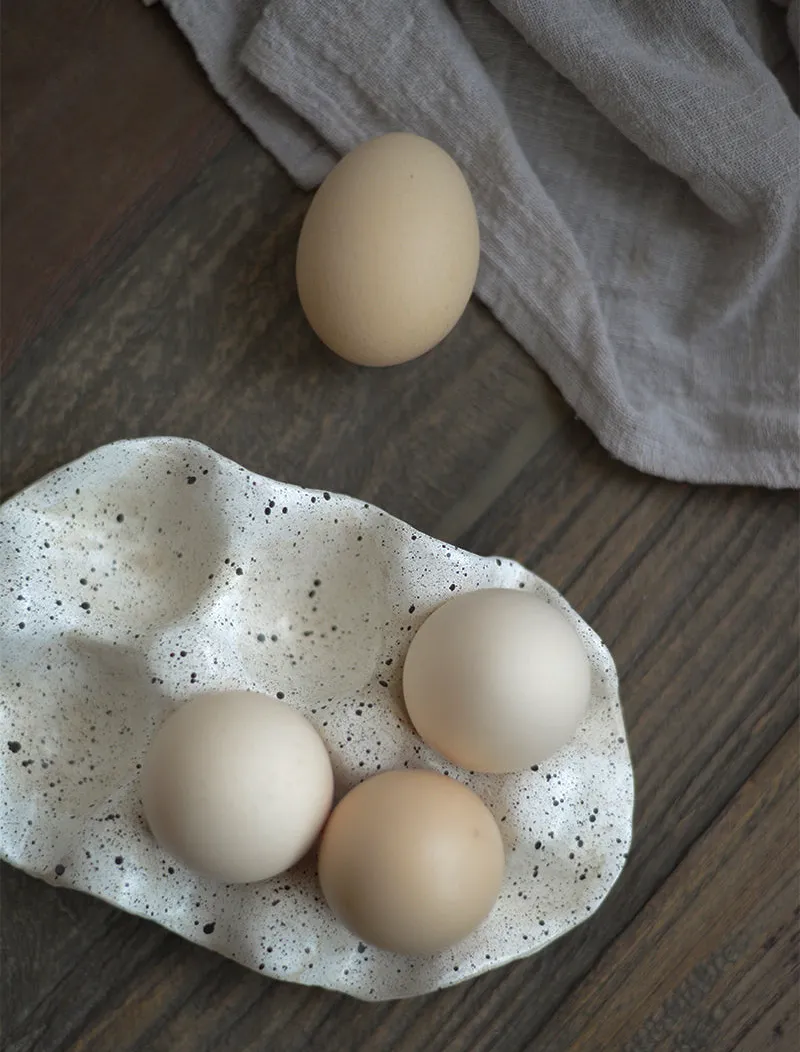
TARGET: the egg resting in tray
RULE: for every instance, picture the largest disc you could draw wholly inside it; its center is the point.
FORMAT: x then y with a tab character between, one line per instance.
153	570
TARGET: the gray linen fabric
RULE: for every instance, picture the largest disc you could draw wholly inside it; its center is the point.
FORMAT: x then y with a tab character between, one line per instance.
636	169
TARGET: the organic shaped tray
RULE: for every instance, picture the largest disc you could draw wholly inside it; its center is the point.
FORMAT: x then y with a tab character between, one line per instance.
153	570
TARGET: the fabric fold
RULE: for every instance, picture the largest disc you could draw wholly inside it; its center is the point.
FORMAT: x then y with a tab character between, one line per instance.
635	170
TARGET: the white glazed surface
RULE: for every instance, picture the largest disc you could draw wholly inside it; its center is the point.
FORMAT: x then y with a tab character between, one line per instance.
153	570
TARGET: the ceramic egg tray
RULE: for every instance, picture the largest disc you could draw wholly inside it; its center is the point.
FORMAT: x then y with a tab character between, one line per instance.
150	571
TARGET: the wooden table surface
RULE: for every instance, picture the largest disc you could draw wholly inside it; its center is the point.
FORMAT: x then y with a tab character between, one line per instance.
148	289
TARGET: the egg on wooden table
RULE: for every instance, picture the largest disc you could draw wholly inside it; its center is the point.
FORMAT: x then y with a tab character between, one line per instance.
388	252
496	680
236	785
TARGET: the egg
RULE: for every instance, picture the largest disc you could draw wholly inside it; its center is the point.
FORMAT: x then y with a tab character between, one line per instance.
496	680
236	785
411	861
388	252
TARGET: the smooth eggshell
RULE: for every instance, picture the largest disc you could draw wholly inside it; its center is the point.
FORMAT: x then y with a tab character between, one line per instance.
411	861
388	253
496	680
237	786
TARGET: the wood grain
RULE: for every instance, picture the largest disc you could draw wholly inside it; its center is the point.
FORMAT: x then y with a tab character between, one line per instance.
713	960
154	294
106	118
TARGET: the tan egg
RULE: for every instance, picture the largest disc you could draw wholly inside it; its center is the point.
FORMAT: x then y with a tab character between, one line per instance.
237	786
411	861
388	253
496	680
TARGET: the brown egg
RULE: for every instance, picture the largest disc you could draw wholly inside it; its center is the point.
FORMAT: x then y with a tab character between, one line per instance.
411	861
388	253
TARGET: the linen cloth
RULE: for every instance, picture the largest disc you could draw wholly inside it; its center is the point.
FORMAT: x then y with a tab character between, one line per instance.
635	166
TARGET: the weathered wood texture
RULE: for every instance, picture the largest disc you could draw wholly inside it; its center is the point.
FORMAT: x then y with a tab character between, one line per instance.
171	309
712	961
105	118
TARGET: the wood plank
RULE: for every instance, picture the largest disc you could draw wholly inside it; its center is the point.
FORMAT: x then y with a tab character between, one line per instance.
712	960
164	311
42	936
106	119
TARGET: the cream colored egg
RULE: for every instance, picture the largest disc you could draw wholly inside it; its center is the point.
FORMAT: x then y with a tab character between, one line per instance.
411	861
237	786
496	680
388	253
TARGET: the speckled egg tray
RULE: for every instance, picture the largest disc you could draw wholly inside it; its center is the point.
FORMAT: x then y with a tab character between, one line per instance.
153	570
